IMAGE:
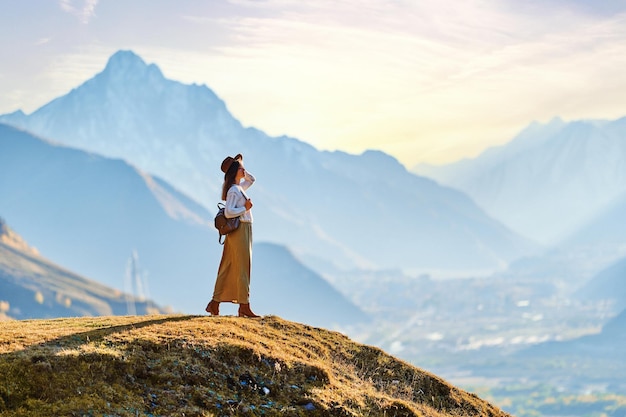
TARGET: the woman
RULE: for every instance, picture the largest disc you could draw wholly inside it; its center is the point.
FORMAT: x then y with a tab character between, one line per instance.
233	276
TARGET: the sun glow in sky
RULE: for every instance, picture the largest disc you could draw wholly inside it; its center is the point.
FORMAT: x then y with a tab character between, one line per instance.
423	80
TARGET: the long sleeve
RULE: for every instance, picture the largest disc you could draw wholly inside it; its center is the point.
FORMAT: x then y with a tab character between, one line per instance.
234	207
236	199
248	180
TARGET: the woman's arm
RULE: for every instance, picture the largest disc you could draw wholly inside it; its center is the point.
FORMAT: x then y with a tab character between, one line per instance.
248	180
232	210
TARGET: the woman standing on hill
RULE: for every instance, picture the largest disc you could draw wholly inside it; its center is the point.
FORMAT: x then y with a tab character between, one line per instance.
233	276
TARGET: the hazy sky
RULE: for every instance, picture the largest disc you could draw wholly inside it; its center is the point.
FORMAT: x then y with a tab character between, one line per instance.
423	80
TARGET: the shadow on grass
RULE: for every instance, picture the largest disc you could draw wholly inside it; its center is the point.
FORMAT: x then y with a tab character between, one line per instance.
96	335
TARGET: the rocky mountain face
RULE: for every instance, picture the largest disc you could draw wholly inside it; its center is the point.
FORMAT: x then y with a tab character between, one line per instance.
329	208
548	181
92	214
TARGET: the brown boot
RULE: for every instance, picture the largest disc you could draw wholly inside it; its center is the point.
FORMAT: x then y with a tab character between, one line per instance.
244	311
213	308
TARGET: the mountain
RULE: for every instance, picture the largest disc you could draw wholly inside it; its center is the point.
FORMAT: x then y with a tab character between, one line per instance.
609	284
90	213
329	208
549	180
195	366
93	214
606	229
606	346
615	329
284	284
33	287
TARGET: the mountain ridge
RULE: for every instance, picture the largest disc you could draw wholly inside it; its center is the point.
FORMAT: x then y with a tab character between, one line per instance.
91	214
549	179
328	203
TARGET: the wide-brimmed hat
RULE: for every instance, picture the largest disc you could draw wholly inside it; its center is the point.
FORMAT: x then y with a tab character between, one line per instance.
228	161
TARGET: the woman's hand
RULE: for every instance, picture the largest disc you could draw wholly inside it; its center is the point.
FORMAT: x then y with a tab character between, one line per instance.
248	204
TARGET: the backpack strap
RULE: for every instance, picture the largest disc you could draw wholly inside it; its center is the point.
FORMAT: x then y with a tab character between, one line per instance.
220	206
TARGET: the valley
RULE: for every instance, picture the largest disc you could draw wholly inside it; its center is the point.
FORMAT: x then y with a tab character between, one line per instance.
487	334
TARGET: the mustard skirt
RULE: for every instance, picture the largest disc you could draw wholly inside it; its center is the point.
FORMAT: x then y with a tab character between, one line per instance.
233	276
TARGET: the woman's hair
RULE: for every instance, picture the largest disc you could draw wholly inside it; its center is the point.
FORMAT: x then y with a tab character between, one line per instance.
229	178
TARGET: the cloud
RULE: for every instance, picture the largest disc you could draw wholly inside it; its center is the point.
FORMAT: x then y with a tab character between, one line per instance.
84	12
426	79
430	79
42	41
458	73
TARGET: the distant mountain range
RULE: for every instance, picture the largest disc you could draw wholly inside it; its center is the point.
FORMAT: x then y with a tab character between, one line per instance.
550	180
331	209
91	213
33	287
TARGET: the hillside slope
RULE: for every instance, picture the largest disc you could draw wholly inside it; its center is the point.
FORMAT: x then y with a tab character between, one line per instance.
605	230
608	285
33	287
200	366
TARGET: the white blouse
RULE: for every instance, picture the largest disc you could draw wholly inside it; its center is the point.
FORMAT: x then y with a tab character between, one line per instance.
235	200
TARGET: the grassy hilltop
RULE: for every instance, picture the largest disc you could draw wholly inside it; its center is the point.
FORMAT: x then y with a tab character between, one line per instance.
170	365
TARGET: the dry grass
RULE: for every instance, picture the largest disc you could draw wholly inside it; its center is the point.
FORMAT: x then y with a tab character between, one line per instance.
210	366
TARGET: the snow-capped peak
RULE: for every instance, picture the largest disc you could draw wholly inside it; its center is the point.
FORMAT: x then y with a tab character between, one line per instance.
128	65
